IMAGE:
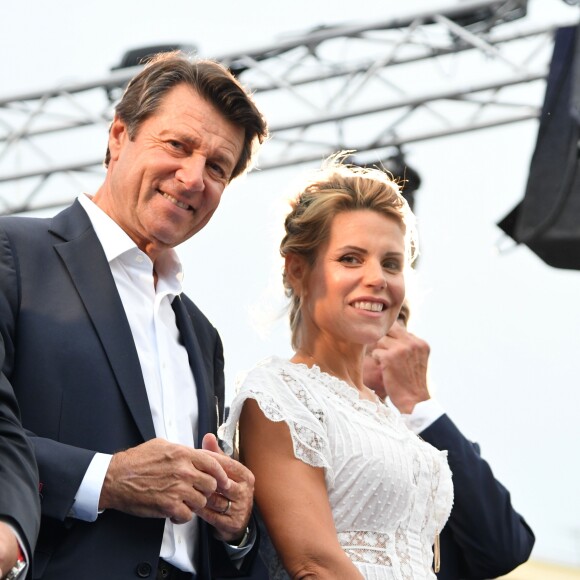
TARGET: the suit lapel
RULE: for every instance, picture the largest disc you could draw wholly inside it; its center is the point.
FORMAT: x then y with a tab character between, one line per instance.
89	270
206	406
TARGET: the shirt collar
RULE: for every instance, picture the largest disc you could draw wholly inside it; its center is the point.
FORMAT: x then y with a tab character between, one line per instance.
116	243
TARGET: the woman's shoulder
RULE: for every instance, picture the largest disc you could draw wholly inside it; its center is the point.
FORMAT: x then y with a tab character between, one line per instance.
267	368
279	383
273	368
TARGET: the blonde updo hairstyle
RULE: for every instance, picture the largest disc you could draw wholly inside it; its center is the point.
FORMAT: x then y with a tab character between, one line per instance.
339	187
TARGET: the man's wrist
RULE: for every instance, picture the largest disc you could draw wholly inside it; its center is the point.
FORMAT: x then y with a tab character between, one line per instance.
238	550
18	569
243	542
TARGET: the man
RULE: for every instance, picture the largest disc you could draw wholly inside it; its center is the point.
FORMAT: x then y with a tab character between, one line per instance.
19	501
118	375
484	536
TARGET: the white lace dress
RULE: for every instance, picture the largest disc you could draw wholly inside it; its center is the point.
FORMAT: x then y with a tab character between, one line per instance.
390	492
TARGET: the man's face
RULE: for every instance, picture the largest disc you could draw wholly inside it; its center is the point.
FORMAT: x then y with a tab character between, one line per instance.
163	186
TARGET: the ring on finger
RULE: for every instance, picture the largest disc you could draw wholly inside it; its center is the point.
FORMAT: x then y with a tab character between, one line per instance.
227	508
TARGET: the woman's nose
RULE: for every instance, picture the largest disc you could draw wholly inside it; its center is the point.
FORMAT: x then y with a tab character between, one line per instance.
375	275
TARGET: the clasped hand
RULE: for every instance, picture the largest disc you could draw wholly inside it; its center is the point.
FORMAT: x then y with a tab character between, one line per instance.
167	480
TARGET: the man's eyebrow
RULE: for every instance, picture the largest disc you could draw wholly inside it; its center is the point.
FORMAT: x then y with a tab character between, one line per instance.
223	158
218	156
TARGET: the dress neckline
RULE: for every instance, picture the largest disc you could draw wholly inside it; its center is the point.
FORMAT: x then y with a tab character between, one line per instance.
339	386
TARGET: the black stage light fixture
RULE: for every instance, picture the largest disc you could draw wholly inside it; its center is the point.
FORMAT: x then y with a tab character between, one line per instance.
408	178
547	220
140	55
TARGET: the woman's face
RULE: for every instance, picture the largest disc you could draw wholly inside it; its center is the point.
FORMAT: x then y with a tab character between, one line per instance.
354	290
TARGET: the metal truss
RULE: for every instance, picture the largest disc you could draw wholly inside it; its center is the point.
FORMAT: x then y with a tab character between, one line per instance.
373	87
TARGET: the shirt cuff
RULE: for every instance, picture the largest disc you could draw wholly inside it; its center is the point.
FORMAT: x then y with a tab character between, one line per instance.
236	553
86	504
424	414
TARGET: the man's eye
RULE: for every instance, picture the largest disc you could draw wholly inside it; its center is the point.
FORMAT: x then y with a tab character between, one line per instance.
175	144
217	169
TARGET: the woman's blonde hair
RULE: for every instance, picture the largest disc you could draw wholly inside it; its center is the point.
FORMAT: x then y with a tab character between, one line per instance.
339	187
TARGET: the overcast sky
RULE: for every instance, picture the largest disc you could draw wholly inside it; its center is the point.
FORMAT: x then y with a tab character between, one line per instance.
503	326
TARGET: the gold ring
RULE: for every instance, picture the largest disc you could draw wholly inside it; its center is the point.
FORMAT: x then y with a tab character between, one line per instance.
227	508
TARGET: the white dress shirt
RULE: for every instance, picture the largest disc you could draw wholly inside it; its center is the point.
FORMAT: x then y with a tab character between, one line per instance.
424	414
164	361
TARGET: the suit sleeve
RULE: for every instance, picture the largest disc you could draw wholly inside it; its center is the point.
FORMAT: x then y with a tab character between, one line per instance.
62	466
19	500
492	537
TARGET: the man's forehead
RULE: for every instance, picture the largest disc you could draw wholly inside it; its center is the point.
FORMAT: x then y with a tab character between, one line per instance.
189	114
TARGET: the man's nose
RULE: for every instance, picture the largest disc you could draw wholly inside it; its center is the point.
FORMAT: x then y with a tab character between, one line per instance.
191	173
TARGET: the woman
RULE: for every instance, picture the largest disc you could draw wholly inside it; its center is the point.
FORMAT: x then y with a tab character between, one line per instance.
343	488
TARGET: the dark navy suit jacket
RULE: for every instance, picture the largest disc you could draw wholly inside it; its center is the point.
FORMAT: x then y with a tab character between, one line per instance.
71	360
484	536
19	500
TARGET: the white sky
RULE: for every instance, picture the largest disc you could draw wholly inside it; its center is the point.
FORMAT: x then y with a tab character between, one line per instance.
504	328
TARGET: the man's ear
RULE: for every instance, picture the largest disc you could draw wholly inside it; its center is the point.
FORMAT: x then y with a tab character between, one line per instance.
118	135
296	270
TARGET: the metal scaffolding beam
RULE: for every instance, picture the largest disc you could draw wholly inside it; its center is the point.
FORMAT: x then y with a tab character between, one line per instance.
372	87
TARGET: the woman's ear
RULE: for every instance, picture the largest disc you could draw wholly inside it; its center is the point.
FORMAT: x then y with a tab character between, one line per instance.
296	270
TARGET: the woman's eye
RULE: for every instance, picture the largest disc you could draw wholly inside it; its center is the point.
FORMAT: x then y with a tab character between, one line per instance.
392	265
349	260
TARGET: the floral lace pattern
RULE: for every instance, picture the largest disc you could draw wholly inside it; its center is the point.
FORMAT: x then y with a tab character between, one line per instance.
367	547
389	491
402	549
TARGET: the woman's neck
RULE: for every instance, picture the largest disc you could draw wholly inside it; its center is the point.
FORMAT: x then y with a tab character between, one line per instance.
346	368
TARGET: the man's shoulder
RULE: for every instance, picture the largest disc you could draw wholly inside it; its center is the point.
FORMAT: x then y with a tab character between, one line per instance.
198	318
18	226
191	307
23	234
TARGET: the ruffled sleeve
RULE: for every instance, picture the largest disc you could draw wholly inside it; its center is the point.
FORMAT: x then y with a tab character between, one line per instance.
284	392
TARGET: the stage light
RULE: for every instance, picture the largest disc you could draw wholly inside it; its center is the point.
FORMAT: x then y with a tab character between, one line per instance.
140	55
408	178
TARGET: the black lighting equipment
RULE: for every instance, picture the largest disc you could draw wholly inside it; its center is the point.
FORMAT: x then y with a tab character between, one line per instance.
547	220
139	56
406	176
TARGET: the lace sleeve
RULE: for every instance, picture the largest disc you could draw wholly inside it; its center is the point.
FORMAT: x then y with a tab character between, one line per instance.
284	395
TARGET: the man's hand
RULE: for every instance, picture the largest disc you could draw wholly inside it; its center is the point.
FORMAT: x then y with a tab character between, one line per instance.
8	549
164	480
403	358
229	510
